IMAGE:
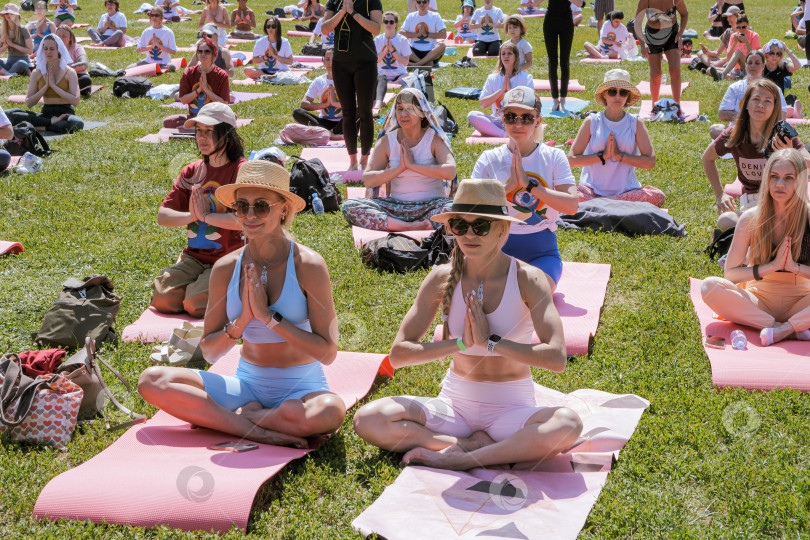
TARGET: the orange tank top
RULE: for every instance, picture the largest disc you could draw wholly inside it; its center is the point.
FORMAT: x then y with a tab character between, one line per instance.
50	92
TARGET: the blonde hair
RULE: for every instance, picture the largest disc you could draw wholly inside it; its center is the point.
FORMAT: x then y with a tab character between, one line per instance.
456	267
13	31
742	129
796	213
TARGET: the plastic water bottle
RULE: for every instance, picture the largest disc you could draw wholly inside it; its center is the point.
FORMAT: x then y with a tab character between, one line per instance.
663	79
738	340
317	203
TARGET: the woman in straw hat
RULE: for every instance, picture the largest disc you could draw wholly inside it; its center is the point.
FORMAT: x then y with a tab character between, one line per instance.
16	42
275	296
486	413
612	143
766	283
539	183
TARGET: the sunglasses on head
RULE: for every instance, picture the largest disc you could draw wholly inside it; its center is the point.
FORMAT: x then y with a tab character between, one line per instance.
512	118
260	208
389	21
459	227
621	91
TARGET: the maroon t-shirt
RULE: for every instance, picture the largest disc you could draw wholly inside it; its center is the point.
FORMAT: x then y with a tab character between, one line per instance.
206	243
217	81
750	161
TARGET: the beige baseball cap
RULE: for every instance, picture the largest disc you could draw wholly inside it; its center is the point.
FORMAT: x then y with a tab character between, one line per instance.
212	114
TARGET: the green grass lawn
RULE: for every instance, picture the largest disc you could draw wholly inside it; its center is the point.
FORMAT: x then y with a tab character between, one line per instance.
684	474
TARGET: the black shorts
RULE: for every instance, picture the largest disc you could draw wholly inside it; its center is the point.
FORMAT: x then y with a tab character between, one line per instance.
420	54
670	43
716	31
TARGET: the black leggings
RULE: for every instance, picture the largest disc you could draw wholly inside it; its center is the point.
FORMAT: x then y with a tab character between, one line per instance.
356	79
305	117
487	48
554	29
43	119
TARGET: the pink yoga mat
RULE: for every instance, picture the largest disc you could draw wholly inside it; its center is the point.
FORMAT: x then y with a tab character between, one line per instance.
150	70
551	501
690	109
734	189
166	133
450	42
20	98
666	89
336	160
299	33
782	365
600	60
182	19
545	85
83	25
154	326
238	97
10	248
100	47
579	298
798	121
161	472
237	40
363	236
477	138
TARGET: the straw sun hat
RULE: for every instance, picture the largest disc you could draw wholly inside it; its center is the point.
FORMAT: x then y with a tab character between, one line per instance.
261	174
484	198
617	78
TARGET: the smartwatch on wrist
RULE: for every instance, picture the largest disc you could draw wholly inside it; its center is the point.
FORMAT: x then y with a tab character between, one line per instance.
533	183
492	340
273	322
601	156
227	329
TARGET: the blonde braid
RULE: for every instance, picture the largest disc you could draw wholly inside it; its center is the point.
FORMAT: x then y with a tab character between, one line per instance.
457	261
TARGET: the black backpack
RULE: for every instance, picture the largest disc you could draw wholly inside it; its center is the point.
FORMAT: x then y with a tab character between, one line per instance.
308	175
27	5
134	86
721	243
97	69
27	139
400	253
446	119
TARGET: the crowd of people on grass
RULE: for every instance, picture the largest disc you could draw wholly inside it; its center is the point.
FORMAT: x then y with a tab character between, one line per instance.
242	272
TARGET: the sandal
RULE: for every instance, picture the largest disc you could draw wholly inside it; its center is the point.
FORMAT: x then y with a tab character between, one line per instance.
168	355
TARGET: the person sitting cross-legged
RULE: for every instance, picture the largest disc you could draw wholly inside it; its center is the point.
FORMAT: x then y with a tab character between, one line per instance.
322	98
424	28
157	42
486	413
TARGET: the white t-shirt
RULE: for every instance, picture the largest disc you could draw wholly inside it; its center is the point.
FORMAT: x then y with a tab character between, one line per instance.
168	10
64	7
432	6
465	31
575	9
318	91
325	39
423	25
495	82
119	21
154	37
4	121
524	48
616	34
488	18
261	49
390	66
735	94
547	165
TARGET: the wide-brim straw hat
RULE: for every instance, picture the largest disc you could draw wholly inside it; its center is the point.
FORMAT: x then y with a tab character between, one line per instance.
617	78
477	197
261	174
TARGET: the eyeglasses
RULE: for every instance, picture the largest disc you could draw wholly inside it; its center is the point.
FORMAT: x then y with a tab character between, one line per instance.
422	1
621	91
205	51
773	53
459	227
389	21
155	15
742	28
260	208
271	26
512	118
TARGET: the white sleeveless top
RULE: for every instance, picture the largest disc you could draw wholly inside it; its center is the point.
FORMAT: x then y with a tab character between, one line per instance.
411	186
614	177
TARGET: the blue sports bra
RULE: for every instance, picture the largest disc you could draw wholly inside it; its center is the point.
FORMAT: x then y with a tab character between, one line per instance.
291	303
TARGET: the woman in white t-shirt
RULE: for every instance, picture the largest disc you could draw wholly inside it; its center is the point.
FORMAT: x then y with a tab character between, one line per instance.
538	179
462	23
393	51
272	52
486	21
612	143
507	76
112	27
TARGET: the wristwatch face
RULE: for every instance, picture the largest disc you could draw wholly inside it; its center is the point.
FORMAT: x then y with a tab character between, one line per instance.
277	317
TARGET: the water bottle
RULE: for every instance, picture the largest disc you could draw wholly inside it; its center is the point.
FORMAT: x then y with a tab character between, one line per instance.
738	340
663	79
317	203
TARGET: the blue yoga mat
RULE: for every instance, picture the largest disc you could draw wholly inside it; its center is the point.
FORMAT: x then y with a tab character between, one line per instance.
570	106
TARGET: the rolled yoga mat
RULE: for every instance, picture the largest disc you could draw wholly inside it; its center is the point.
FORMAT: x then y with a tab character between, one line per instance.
150	70
162	473
579	298
781	365
551	500
10	248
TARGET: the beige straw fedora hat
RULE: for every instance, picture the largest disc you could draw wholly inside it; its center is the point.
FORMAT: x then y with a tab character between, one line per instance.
479	197
260	173
617	78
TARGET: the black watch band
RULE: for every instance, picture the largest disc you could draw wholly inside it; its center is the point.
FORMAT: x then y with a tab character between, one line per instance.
601	156
533	183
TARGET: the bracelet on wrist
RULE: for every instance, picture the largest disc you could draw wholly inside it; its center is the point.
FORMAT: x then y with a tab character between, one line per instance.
226	330
757	277
460	343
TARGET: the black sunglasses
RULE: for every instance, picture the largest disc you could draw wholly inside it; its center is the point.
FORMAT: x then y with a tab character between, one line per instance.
155	15
512	118
389	21
459	227
272	25
621	91
260	208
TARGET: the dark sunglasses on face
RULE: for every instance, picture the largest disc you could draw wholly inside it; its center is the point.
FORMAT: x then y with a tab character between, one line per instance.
459	227
512	118
271	26
260	208
422	1
204	51
774	53
388	21
155	15
621	91
742	28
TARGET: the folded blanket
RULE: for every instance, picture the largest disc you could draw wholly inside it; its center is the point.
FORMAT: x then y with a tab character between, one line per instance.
629	218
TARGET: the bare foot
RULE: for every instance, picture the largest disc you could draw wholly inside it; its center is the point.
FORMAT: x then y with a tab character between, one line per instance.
453	461
267	436
477	440
59	118
797	106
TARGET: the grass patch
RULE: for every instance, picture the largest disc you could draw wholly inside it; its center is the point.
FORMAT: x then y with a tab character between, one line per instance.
683	475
